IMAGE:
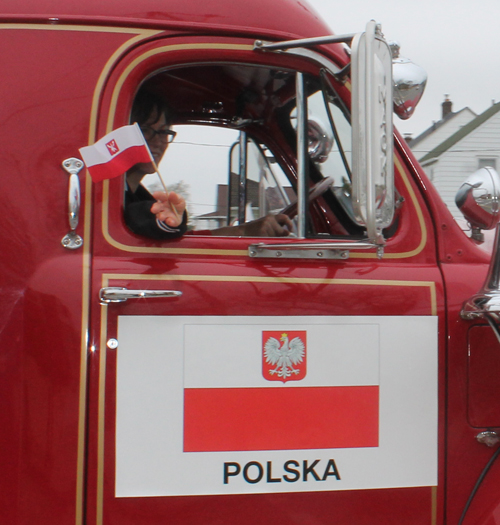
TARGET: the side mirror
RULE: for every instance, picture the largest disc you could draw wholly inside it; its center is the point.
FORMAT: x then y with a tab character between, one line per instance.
372	139
478	200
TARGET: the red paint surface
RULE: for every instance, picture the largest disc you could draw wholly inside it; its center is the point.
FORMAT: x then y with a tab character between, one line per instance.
42	286
483	400
221	419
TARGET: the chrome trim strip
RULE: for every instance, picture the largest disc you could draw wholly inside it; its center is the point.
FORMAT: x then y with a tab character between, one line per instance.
333	250
301	156
290	44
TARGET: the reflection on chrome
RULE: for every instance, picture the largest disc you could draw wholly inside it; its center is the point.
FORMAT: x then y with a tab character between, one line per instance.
409	82
320	141
478	200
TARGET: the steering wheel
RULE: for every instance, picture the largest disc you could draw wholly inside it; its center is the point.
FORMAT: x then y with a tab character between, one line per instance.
318	189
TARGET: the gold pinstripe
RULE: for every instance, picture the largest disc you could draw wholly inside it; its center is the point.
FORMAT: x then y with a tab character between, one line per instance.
140	35
286	280
233	278
136	36
237	253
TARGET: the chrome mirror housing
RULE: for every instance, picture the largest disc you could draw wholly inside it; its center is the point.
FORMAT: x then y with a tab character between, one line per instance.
478	200
372	132
409	83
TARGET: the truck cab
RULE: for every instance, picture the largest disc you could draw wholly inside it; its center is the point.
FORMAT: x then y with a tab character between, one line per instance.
330	375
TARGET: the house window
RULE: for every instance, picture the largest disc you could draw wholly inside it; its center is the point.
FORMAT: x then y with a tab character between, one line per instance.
487	162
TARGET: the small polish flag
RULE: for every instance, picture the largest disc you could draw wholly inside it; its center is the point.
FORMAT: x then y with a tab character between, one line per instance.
115	153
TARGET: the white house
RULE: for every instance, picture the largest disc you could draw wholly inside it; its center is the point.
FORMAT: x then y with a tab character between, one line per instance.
450	123
473	146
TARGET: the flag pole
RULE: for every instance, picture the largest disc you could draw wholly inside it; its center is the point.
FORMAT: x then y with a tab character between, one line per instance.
176	213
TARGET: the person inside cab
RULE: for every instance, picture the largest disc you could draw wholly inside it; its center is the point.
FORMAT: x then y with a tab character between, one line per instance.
163	215
151	113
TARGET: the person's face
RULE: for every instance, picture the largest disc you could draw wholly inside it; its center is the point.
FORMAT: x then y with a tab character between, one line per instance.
157	142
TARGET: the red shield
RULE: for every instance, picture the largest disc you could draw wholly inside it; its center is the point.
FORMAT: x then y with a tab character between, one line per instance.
112	147
284	355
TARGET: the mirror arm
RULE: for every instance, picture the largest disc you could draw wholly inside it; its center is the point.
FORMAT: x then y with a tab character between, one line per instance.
342	75
303	42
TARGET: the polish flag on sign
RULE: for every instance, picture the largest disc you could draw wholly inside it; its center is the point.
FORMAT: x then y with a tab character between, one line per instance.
232	401
115	153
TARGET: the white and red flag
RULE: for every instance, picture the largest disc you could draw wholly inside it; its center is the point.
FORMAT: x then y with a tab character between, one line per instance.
116	153
234	403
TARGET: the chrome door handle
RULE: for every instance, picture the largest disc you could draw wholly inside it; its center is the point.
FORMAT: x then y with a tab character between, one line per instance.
120	295
72	240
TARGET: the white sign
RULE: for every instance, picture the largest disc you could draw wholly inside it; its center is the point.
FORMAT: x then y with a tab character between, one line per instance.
236	405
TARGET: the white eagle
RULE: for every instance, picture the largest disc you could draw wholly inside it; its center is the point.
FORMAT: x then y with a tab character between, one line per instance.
284	357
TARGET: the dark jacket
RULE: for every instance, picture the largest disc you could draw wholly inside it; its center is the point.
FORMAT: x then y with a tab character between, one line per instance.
140	220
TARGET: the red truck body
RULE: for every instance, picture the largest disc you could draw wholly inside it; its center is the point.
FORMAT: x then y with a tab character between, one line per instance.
71	72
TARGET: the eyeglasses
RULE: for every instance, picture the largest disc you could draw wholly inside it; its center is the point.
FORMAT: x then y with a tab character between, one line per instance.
166	135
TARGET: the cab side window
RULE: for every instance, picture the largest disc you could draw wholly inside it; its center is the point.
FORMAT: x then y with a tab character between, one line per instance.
203	166
233	160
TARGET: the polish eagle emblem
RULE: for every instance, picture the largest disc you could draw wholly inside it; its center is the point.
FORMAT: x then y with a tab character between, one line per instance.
284	356
112	147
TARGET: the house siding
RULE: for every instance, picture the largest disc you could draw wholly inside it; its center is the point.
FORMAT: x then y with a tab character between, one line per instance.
453	123
452	167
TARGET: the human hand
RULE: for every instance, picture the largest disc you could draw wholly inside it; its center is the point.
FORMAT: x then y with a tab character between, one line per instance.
269	226
169	208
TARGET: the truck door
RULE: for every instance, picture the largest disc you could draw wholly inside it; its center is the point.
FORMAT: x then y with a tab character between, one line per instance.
240	379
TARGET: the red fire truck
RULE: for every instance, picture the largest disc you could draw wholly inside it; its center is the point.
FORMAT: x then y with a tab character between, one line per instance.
347	373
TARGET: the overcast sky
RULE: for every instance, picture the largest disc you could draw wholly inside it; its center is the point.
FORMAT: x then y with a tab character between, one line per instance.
456	42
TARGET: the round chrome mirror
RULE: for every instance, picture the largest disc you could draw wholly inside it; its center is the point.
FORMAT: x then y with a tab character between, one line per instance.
478	200
320	142
409	82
